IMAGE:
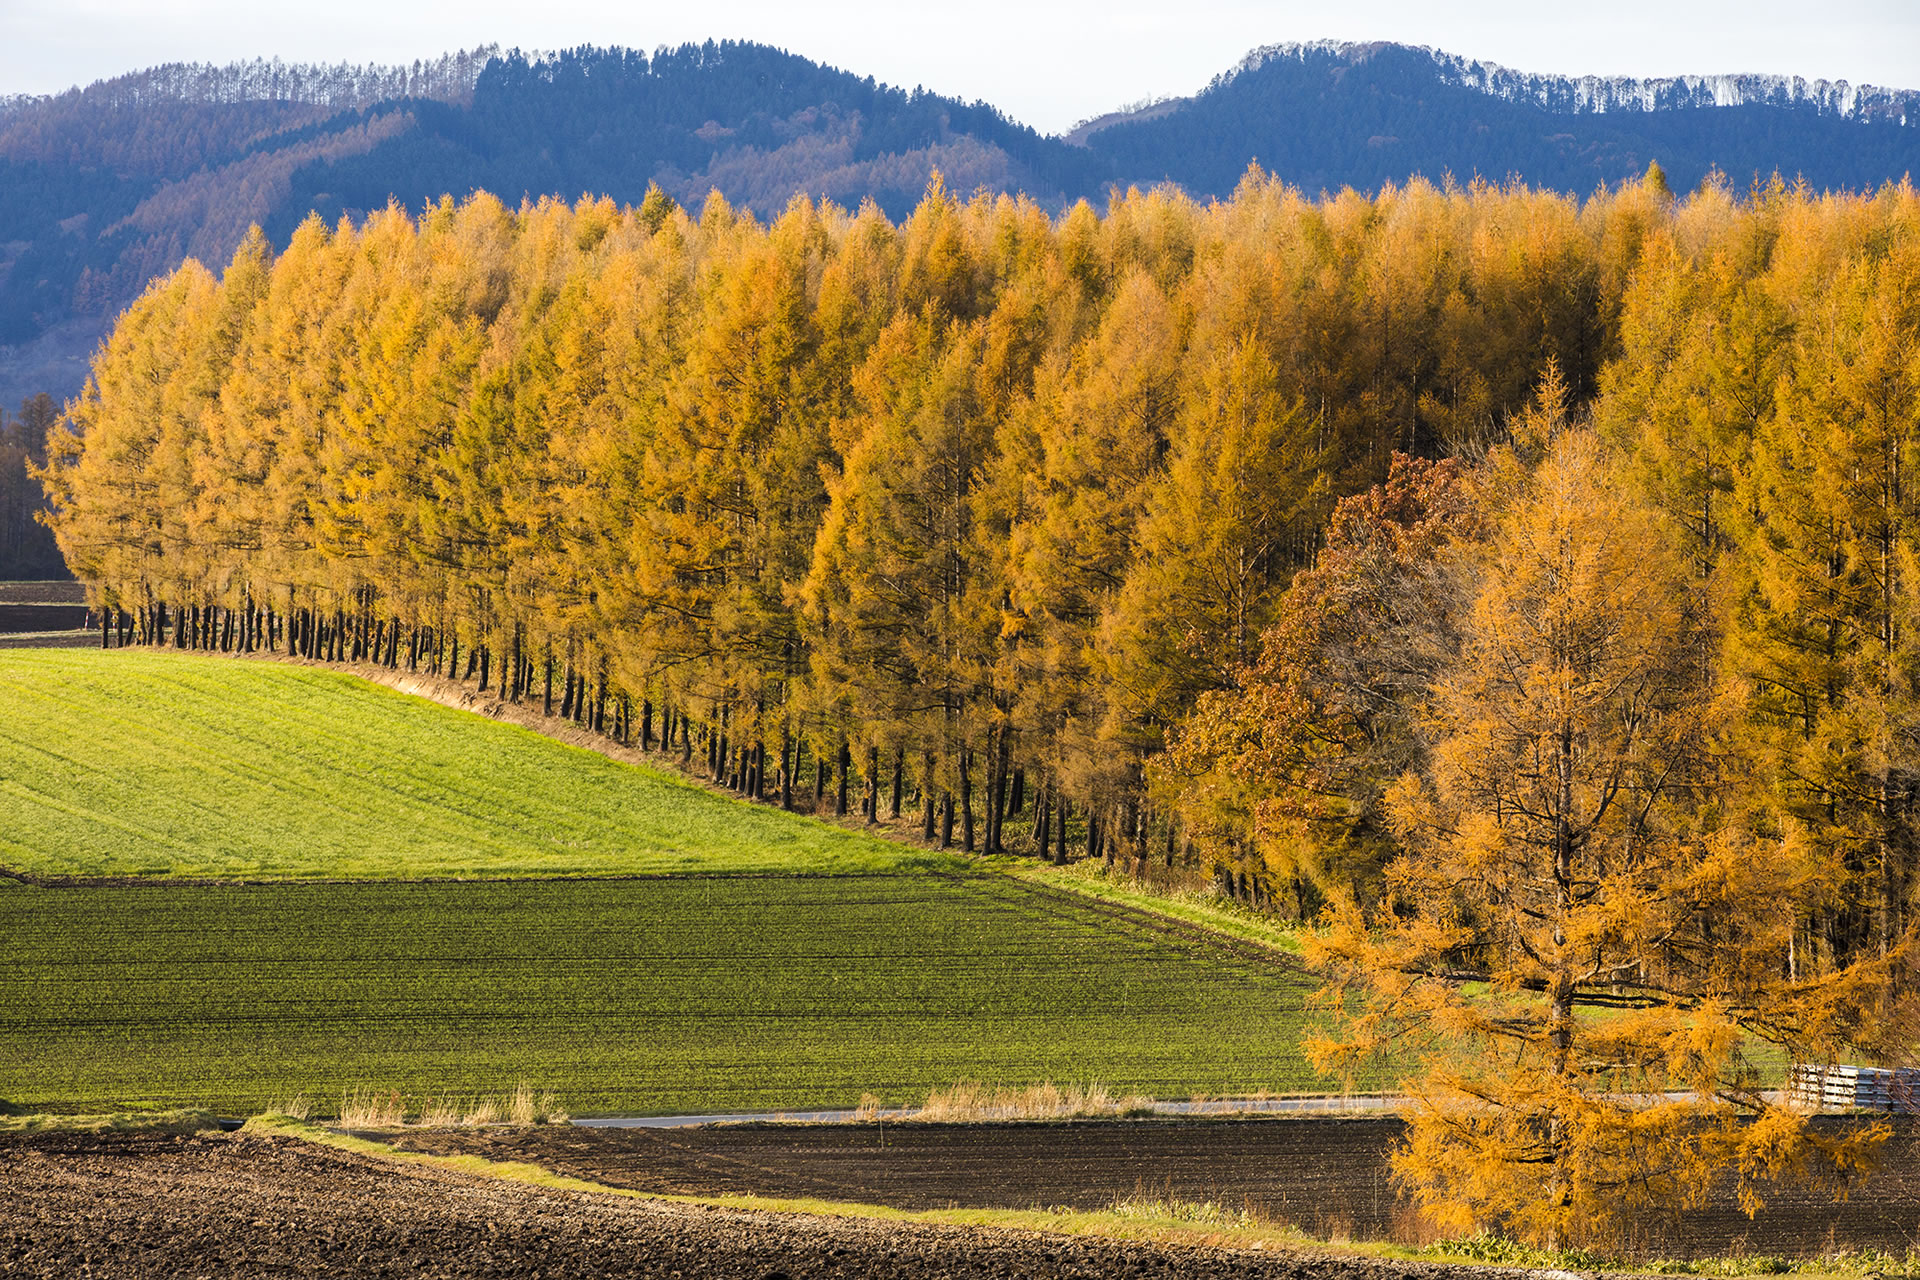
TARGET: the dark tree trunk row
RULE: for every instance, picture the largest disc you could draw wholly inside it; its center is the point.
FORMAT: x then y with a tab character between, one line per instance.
586	696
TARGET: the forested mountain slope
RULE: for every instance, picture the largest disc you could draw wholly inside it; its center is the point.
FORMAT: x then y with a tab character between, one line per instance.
1327	115
103	188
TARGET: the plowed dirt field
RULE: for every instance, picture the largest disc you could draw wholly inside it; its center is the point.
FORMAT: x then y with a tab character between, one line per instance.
136	1207
1326	1175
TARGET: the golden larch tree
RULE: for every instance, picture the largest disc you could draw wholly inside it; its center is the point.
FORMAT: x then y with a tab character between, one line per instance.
1582	943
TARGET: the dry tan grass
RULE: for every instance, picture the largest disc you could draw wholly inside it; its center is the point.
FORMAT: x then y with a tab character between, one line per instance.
440	1113
527	1107
363	1108
1203	1213
1412	1227
972	1101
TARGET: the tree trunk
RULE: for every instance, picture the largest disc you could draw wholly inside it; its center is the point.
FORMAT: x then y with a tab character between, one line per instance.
966	798
926	797
788	763
899	778
843	760
872	802
1561	989
1002	770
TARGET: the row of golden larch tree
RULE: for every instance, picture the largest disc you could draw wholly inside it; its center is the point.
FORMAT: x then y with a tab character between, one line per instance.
1530	583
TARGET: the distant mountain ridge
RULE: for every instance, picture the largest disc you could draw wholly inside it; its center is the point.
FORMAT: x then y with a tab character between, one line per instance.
341	86
101	188
1598	95
1325	115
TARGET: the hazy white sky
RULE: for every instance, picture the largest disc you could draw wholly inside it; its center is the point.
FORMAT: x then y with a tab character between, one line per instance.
1046	62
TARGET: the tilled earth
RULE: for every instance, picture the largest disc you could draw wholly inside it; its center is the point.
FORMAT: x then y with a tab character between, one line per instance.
145	1205
1326	1175
127	1205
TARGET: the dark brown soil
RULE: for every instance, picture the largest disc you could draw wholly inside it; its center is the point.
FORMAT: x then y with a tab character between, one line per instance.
1326	1175
51	640
42	617
65	591
137	1206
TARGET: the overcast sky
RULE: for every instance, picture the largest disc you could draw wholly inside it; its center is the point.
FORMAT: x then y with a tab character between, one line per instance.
1049	63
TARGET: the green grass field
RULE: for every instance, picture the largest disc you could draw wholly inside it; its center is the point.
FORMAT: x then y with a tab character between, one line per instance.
159	764
762	961
673	995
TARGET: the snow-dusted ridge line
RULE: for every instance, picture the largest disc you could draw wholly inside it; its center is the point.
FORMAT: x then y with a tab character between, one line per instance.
1596	95
337	86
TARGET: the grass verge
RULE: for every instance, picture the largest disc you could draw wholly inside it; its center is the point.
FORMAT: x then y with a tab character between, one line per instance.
188	1121
1492	1250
